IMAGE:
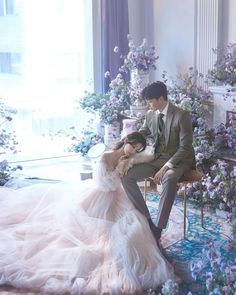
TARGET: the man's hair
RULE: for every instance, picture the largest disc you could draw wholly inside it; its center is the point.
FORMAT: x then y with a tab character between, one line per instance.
154	91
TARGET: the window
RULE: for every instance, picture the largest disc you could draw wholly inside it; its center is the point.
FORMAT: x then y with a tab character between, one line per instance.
45	63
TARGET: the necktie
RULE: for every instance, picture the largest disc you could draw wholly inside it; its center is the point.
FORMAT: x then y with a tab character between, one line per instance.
160	123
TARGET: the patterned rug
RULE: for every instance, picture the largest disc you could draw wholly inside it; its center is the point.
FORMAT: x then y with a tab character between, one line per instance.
184	251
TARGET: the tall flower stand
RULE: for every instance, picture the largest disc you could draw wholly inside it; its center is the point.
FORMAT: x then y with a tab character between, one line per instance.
139	78
112	134
138	110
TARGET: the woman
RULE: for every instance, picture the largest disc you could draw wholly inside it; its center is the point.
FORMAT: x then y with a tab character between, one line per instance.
80	239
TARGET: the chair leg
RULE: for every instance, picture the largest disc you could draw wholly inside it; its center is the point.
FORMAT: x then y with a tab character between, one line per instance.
202	213
145	190
185	209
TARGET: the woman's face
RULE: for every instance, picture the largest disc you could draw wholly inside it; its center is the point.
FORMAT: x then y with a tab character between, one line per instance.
131	149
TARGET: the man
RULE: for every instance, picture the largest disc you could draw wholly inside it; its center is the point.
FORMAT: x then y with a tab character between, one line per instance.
171	129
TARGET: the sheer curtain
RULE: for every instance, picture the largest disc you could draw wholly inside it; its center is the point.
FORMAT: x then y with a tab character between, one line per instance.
46	58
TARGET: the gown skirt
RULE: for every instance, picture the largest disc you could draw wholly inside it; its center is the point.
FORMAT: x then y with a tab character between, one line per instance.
78	238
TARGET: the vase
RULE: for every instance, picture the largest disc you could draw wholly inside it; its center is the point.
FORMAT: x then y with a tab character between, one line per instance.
138	78
129	126
99	127
138	110
112	134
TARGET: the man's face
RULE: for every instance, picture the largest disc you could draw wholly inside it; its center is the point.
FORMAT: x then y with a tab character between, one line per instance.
155	104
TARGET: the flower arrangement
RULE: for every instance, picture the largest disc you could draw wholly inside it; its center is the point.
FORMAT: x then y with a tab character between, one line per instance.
119	100
208	142
84	142
225	136
224	70
185	92
220	186
7	138
142	57
122	94
221	278
6	170
168	288
8	141
92	102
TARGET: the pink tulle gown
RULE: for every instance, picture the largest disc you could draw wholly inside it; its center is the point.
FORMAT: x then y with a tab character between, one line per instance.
78	238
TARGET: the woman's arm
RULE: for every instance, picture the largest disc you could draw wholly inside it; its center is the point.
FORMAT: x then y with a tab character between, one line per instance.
126	163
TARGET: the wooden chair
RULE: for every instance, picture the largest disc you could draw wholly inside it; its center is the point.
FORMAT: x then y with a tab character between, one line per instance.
191	177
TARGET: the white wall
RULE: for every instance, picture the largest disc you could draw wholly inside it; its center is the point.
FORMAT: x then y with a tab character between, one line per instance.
231	21
141	20
171	26
174	35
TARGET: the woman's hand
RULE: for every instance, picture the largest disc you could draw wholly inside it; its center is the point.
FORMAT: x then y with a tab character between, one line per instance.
124	165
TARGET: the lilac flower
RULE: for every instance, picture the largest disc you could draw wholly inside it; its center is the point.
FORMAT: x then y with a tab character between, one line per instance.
83	143
224	70
142	57
6	170
170	288
116	49
118	100
107	74
7	139
221	279
92	101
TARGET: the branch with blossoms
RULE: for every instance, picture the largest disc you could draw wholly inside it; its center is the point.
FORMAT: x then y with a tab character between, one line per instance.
6	171
184	91
81	143
224	69
141	58
119	101
8	140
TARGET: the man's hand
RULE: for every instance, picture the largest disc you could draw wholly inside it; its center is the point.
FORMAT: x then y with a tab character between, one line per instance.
159	175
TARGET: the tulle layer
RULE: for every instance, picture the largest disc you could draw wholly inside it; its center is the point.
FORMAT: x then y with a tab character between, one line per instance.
77	239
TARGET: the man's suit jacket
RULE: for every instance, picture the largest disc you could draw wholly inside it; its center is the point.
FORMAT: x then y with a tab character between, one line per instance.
178	135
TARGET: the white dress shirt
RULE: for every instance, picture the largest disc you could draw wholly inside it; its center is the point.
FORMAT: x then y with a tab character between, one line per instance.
164	112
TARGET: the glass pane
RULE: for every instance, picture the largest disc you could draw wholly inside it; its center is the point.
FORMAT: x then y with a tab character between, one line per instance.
42	67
